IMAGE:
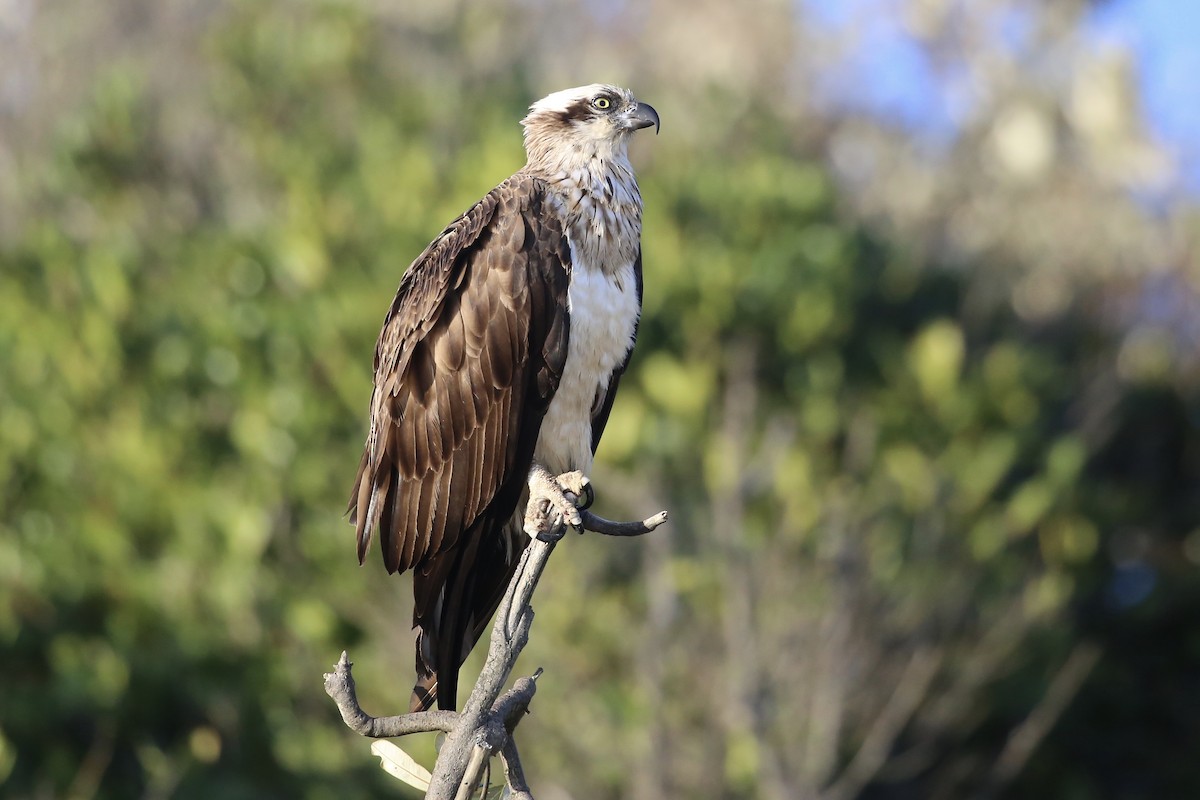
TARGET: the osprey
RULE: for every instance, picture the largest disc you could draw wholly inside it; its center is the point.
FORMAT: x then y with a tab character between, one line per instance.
496	370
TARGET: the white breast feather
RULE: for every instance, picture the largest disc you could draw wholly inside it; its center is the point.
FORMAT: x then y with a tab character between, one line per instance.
604	311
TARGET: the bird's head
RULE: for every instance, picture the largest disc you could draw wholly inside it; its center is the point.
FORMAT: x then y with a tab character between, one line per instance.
574	126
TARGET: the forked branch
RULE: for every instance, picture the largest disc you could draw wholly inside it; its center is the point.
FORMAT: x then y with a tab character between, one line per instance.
484	727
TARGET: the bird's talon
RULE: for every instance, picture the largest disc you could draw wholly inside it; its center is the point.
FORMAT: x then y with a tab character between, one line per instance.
551	536
555	503
589	496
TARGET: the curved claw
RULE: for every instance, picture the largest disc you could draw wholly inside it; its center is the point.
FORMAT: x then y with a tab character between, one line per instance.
589	496
553	535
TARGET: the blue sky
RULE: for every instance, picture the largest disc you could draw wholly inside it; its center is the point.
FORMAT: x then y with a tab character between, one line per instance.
891	75
1164	35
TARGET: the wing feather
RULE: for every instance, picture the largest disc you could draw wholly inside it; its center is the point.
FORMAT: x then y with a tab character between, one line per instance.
474	475
498	352
440	509
388	509
465	367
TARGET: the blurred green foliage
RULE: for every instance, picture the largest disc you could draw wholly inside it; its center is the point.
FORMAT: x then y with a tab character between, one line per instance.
187	328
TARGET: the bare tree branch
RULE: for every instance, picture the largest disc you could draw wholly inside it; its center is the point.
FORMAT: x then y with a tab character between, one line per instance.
514	775
485	725
598	524
479	758
339	685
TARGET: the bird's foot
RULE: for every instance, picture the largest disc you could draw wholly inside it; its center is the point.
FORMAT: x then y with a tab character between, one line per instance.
554	503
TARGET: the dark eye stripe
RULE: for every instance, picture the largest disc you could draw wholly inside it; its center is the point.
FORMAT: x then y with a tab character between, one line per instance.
578	111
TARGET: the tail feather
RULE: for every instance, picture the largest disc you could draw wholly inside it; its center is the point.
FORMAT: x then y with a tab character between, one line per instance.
456	596
424	693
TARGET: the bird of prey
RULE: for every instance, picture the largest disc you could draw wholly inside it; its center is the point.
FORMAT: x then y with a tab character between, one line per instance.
496	370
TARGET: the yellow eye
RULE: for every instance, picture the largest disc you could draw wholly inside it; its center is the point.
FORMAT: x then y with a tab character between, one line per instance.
602	103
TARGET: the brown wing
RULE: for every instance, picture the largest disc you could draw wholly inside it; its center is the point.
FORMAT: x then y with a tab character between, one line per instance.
467	362
474	340
604	404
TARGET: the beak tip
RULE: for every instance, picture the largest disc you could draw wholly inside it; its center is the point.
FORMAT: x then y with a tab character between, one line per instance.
645	116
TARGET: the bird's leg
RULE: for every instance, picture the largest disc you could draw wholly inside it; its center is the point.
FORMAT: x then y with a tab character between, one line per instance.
550	508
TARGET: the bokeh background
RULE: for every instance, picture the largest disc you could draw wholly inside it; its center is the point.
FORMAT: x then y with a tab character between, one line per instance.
918	379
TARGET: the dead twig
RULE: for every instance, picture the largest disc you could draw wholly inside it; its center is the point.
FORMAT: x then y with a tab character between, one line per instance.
339	685
485	725
598	524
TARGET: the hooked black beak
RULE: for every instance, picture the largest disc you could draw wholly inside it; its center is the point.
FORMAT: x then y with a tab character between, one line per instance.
642	116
